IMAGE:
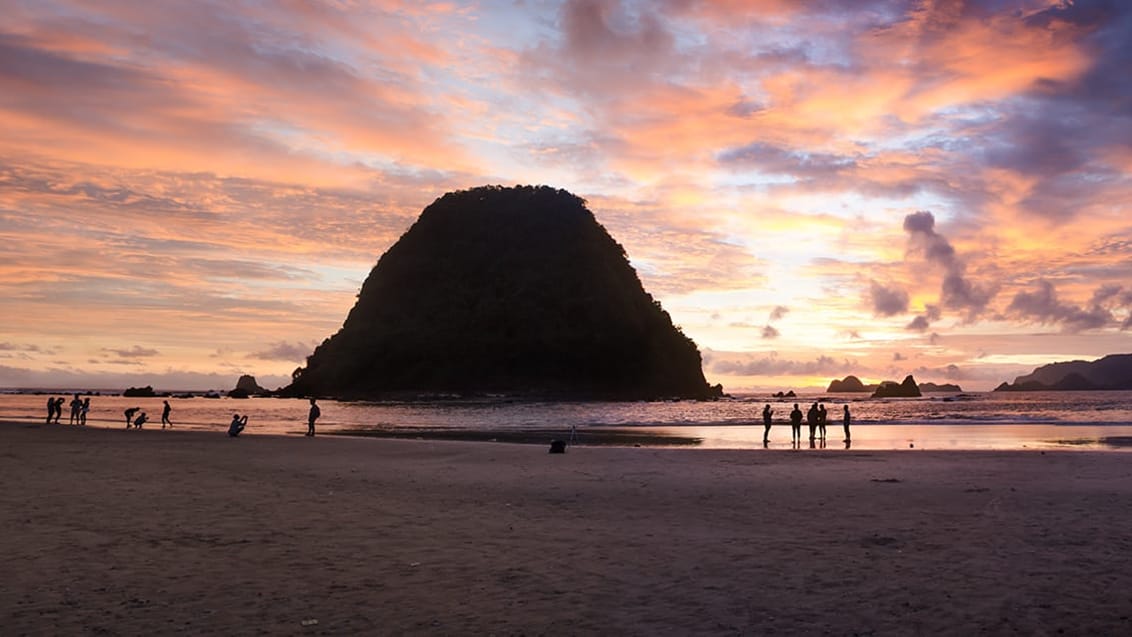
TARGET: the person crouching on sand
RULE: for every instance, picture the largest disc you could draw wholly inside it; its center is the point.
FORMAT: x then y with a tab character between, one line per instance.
237	425
141	420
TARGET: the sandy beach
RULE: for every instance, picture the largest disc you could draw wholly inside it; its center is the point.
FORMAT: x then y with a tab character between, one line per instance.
152	532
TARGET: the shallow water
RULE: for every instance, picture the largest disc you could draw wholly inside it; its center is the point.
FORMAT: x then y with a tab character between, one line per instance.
1029	420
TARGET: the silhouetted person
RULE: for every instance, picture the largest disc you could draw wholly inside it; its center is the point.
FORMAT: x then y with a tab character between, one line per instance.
767	413
76	407
59	408
315	412
812	420
165	415
83	410
50	409
237	425
845	423
129	413
141	420
796	424
821	421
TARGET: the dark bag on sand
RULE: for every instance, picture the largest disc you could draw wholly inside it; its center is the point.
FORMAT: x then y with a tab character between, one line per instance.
557	446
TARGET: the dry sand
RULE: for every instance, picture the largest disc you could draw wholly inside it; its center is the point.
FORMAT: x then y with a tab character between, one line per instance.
152	532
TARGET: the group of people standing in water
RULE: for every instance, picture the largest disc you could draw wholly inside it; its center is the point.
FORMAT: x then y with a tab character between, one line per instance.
133	422
136	418
79	409
816	418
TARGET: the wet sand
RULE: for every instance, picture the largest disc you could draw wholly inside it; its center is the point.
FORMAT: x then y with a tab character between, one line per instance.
152	532
590	437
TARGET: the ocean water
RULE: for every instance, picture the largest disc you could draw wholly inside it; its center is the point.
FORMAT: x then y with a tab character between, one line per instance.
980	420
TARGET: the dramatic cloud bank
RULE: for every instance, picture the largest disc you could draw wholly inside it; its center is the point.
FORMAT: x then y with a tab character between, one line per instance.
810	188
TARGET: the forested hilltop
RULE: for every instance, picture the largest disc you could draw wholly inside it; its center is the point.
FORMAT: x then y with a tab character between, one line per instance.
505	290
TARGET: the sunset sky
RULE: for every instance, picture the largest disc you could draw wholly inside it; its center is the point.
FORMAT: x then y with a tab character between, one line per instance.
812	188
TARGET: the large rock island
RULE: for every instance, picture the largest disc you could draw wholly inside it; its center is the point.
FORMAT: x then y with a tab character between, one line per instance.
246	387
852	384
893	389
1111	372
517	291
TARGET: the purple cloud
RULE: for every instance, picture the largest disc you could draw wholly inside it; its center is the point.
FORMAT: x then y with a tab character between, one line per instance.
1043	306
774	366
924	321
284	351
137	351
886	301
957	291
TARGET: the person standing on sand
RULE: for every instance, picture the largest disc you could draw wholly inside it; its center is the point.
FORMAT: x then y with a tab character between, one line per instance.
315	412
767	413
76	407
84	410
796	424
165	415
821	420
237	425
812	420
129	413
50	409
845	423
59	408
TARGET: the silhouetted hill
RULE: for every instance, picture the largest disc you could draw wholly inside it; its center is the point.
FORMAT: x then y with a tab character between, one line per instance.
247	386
892	389
1110	372
505	290
851	384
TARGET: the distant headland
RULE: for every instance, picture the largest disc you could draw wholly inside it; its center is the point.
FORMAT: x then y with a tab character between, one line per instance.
517	291
1108	373
889	389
